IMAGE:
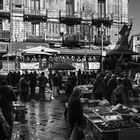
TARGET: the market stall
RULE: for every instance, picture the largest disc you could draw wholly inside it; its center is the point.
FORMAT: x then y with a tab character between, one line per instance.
112	123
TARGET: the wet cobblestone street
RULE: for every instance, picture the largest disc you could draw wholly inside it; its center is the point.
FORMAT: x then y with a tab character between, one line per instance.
44	121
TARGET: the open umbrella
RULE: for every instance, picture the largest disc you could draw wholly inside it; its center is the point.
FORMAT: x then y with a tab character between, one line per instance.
63	66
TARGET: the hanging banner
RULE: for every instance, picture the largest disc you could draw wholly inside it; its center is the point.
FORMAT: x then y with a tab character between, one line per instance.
29	66
94	65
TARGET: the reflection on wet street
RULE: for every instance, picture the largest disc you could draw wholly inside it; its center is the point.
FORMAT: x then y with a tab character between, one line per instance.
44	121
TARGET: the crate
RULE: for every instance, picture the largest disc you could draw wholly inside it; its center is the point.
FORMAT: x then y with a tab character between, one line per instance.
20	113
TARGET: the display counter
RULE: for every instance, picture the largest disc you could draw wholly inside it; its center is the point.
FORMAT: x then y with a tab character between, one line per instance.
105	124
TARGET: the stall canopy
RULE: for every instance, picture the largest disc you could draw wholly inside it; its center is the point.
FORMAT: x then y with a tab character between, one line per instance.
121	52
35	53
40	49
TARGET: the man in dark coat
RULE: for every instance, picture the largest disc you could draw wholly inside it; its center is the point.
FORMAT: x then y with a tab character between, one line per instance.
111	85
23	89
42	86
33	83
75	111
7	96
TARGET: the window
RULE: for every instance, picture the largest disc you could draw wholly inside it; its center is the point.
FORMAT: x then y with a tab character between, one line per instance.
69	8
35	29
35	5
138	38
101	8
1	4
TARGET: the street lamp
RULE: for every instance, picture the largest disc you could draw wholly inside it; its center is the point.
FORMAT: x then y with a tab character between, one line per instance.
102	29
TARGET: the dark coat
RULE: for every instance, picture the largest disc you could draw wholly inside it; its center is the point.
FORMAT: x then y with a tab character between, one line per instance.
8	96
75	111
42	81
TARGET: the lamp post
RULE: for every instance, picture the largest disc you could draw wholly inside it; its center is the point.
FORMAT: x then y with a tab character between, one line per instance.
102	29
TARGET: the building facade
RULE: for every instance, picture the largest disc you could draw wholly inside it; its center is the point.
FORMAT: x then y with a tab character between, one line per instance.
53	20
135	42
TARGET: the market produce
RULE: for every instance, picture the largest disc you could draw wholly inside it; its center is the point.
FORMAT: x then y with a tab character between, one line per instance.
136	119
101	110
121	124
96	119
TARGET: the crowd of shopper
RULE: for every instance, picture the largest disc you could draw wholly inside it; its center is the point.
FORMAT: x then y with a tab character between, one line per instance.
115	87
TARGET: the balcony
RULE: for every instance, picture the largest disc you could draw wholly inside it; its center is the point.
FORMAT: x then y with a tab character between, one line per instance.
5	36
106	21
106	40
4	14
35	15
70	20
33	38
71	40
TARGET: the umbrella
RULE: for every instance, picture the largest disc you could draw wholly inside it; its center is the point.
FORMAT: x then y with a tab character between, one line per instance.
41	49
11	54
35	52
63	66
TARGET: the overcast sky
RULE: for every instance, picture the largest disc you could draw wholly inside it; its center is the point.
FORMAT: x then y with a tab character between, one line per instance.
134	11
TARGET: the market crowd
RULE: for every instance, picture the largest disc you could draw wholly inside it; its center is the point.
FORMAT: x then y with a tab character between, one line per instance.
115	87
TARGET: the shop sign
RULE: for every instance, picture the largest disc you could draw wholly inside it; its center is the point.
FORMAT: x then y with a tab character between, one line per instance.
29	66
78	66
94	65
8	66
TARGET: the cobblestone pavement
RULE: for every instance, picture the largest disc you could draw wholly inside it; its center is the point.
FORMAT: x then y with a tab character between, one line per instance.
44	121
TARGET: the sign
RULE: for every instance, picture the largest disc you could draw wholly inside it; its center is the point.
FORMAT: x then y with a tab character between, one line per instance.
78	66
29	66
8	66
94	65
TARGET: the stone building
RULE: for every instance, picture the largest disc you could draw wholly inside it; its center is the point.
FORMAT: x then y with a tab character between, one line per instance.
51	20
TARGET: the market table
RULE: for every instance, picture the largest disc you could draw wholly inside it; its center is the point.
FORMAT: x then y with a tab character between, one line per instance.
105	124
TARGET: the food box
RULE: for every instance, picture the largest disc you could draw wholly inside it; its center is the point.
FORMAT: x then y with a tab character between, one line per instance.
20	112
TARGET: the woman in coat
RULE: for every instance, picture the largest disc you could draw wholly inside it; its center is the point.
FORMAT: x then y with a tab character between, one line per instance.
75	111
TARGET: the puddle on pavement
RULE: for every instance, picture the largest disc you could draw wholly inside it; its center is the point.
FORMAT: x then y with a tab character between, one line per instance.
44	121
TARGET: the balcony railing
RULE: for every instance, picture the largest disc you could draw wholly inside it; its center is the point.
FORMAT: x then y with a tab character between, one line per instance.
106	20
71	40
33	38
35	15
106	40
5	36
70	19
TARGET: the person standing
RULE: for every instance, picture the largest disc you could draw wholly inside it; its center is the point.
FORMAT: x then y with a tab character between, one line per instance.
119	92
127	88
23	89
55	84
75	110
111	85
98	88
7	97
33	83
42	86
